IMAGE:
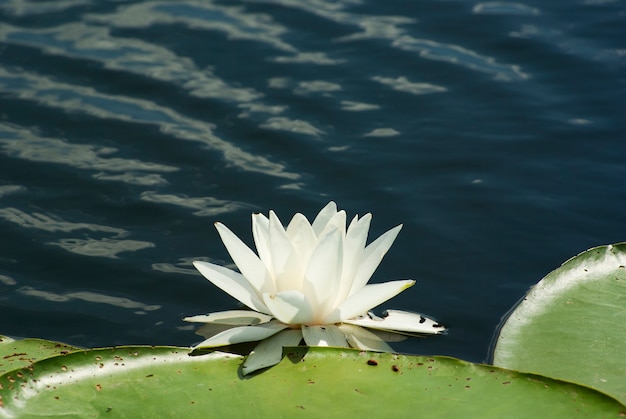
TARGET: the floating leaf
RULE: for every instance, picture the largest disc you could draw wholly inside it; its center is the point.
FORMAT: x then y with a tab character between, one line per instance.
572	324
16	354
148	382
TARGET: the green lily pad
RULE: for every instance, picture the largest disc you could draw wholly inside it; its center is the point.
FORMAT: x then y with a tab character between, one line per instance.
148	382
16	354
572	324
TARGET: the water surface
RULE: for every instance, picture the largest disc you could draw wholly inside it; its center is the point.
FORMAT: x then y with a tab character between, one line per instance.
493	131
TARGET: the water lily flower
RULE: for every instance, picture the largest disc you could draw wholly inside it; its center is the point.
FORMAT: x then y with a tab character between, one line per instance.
307	282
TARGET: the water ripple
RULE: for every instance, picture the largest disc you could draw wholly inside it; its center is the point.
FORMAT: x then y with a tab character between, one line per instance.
10	189
505	8
95	43
85	100
393	29
402	84
108	247
297	126
25	144
7	280
456	54
30	8
203	206
88	296
232	20
52	223
351	106
105	247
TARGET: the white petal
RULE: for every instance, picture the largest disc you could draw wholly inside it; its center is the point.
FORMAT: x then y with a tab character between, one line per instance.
270	351
208	330
336	222
234	317
367	298
287	269
302	237
390	336
246	260
323	273
327	335
353	246
290	307
232	283
324	215
372	256
358	230
243	334
261	234
363	339
400	321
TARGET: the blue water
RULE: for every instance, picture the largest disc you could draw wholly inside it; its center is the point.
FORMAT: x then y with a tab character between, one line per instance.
494	131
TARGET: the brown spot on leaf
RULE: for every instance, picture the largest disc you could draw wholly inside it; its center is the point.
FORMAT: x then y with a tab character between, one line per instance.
372	362
15	354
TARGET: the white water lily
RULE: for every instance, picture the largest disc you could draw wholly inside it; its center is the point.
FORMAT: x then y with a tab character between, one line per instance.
308	282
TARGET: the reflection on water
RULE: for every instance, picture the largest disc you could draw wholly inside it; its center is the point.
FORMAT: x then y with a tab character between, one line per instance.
7	280
101	247
29	8
52	223
202	206
10	189
402	84
27	145
234	21
183	266
492	130
382	132
298	126
88	296
505	8
455	54
348	105
84	100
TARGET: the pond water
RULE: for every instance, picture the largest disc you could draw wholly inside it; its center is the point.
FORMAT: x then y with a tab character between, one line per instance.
493	131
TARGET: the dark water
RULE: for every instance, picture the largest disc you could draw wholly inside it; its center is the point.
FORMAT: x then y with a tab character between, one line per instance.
494	131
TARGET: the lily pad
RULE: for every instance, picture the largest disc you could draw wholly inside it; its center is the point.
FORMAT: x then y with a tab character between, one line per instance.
147	382
572	324
16	354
